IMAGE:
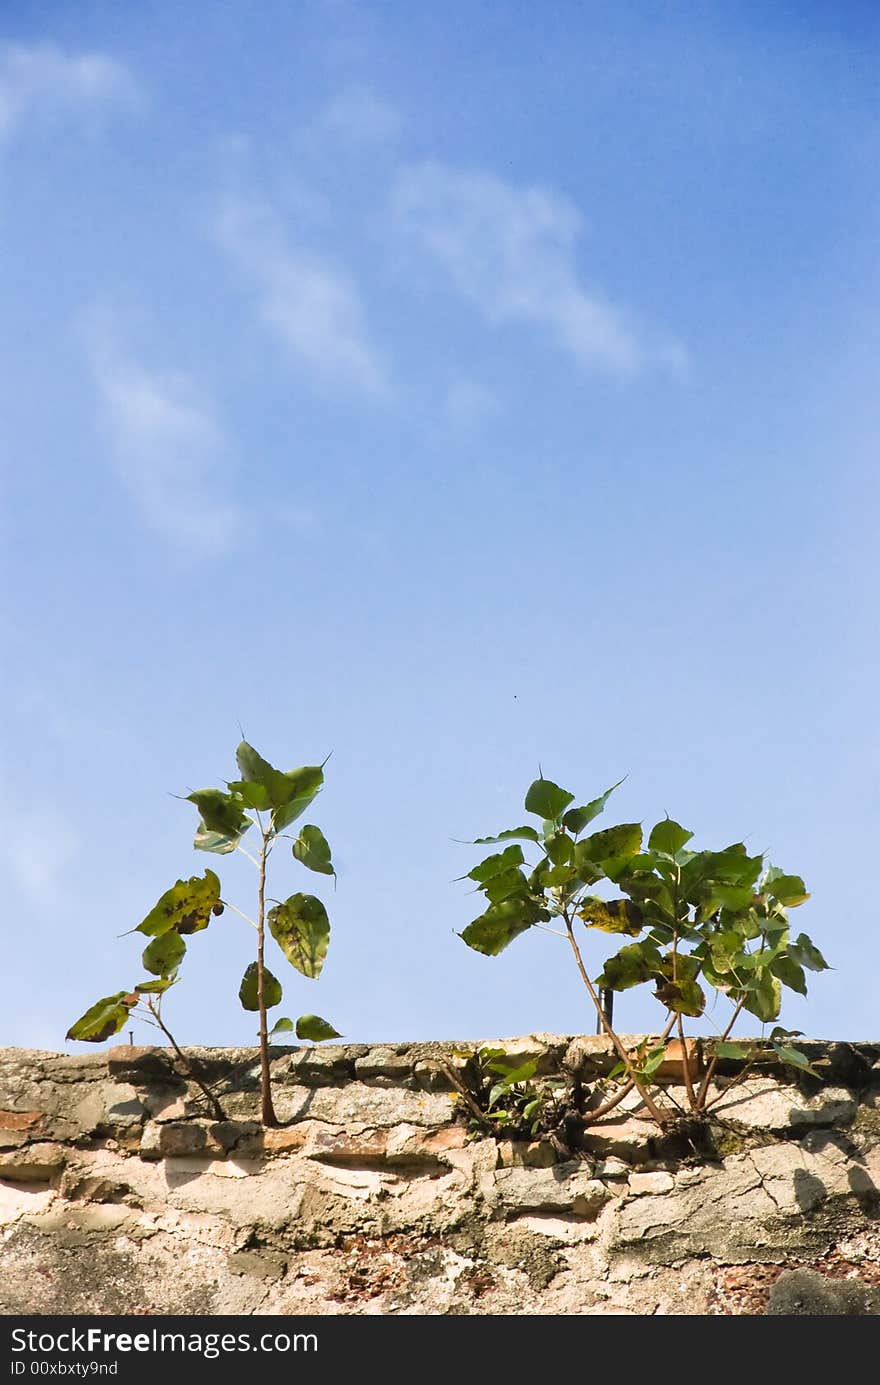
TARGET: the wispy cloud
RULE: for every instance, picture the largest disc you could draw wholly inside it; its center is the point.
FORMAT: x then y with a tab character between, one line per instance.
36	847
511	252
469	403
166	447
312	305
42	81
357	117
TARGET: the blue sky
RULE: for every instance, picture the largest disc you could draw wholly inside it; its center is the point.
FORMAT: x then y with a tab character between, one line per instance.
455	388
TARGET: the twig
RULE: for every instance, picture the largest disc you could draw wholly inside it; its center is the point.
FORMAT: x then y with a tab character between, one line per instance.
713	1061
689	1086
217	1109
463	1092
650	1104
235	909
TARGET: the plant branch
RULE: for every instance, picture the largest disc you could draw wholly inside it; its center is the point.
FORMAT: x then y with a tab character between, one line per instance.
463	1092
217	1109
713	1061
650	1104
235	909
590	1117
688	1081
253	860
268	1110
740	1077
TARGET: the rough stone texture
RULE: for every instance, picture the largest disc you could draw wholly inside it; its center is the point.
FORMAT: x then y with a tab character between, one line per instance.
119	1193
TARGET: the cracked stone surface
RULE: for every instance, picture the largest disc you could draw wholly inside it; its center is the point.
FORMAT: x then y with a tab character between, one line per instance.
118	1192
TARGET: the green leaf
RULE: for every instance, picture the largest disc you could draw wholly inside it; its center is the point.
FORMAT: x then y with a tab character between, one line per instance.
547	876
505	885
247	991
253	767
498	1090
155	987
525	834
790	973
560	848
576	819
795	1059
186	907
494	865
790	890
653	1060
806	952
501	923
221	813
251	794
213	841
724	1049
729	867
614	843
684	997
312	849
668	836
765	998
164	954
513	1074
644	887
679	966
314	1029
547	800
105	1017
714	896
629	967
264	786
300	786
282	1026
612	916
301	929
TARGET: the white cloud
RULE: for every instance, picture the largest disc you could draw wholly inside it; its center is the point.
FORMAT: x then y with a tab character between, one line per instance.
166	448
358	117
511	252
468	402
314	307
42	81
36	848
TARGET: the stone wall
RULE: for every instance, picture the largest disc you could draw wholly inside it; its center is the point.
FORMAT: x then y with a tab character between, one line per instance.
118	1194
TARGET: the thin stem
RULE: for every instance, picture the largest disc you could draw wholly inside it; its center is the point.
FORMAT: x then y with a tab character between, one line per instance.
713	1061
609	1105
650	1104
692	1096
253	860
679	1023
268	1110
463	1092
217	1109
591	1117
143	1018
740	1077
235	909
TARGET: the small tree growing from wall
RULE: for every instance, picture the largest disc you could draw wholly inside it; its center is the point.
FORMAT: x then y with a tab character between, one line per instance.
270	800
694	918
